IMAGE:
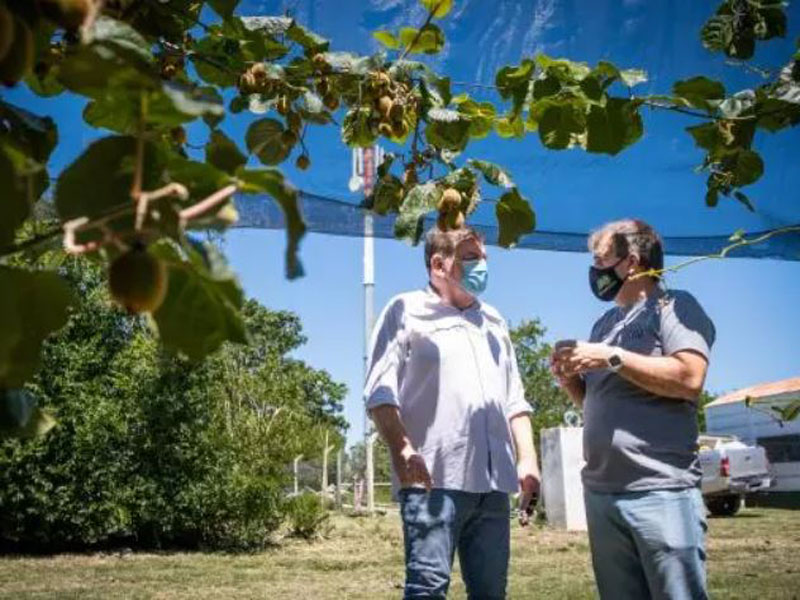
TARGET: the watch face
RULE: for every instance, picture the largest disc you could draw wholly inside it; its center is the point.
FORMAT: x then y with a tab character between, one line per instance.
615	360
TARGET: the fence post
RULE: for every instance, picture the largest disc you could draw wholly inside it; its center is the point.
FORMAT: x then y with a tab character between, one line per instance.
296	461
370	450
339	465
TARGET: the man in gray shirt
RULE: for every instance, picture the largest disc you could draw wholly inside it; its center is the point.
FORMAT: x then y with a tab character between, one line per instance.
638	379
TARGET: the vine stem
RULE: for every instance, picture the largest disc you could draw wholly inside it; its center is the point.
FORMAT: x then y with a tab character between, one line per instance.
721	254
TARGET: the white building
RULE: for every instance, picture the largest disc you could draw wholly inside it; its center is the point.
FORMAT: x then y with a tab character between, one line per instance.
753	415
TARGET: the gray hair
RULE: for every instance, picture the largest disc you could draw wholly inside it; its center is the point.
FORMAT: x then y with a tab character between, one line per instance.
631	236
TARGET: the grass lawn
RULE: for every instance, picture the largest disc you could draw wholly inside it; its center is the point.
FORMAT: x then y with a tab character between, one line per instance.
754	555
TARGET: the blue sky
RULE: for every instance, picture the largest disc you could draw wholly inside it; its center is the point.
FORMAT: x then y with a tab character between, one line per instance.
753	303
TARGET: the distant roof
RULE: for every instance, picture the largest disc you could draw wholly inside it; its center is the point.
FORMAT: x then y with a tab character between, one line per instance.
762	390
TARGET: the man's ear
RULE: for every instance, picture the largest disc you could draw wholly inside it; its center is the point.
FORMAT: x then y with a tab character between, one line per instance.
436	263
635	263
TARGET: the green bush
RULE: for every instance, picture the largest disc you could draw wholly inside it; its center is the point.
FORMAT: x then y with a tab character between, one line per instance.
308	516
151	450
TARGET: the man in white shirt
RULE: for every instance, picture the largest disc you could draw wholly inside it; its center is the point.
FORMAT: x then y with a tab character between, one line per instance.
444	392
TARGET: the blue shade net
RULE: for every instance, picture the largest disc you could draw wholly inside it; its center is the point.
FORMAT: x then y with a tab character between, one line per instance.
571	191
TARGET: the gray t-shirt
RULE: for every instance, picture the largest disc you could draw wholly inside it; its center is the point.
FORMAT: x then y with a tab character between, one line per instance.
634	440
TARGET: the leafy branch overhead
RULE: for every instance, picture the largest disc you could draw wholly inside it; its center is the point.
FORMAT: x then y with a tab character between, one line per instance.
148	73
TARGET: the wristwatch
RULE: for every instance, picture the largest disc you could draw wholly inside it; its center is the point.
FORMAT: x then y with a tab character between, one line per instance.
614	362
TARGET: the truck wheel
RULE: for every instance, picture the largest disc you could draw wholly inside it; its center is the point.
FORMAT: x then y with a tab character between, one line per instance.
724	506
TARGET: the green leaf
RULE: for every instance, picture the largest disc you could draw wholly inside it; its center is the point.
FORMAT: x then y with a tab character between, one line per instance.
741	197
421	200
712	197
559	124
512	82
706	136
224	8
492	173
271	26
481	117
32	306
185	103
20	417
592	88
35	136
309	40
218	59
14	207
632	77
168	107
264	139
737	236
567	71
447	129
746	166
515	218
222	152
388	195
271	181
438	8
700	92
614	127
201	309
510	78
117	59
109	165
442	85
387	38
428	40
738	104
790	412
201	178
356	128
547	86
507	127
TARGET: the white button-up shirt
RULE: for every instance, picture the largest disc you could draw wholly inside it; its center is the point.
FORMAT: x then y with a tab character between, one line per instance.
453	375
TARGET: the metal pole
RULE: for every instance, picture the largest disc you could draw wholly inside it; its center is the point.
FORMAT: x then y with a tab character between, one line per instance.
370	167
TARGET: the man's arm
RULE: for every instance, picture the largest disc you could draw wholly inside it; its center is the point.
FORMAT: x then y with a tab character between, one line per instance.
527	465
408	463
680	375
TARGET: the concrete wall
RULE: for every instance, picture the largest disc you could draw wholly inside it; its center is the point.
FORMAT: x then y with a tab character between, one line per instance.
562	461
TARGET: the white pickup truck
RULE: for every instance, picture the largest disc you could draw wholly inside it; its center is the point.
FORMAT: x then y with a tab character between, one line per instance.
731	469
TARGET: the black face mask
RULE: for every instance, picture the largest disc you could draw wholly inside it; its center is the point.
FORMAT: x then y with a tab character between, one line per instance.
605	282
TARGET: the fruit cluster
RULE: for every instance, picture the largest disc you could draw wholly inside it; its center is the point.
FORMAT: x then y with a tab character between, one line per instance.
19	18
451	213
389	100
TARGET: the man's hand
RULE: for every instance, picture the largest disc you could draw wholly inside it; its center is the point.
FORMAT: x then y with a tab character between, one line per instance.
567	363
411	468
529	486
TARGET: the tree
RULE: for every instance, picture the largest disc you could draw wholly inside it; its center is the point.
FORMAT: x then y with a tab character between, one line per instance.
548	401
155	450
149	68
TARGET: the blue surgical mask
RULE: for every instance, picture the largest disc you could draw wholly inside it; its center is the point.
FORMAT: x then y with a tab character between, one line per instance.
475	276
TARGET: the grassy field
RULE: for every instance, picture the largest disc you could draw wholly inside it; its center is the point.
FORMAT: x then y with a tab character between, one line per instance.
755	555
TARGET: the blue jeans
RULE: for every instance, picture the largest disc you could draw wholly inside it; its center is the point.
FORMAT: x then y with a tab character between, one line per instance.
648	544
435	524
